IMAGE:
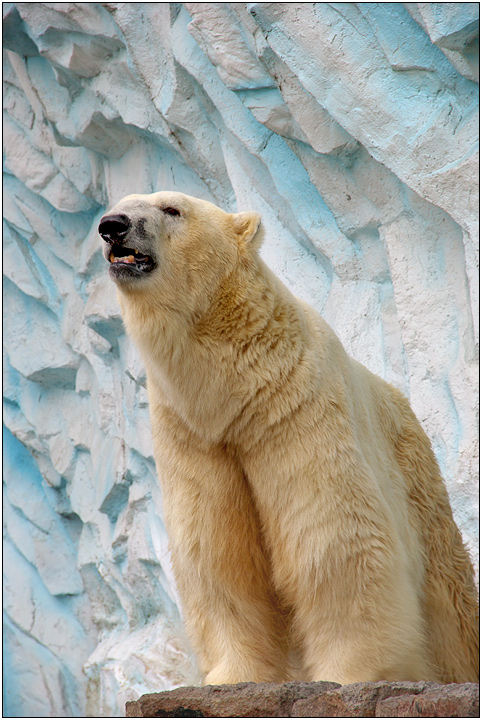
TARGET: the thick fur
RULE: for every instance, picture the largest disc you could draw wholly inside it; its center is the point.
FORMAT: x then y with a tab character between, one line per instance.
311	532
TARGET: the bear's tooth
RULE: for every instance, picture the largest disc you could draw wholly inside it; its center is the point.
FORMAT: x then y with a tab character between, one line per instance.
112	257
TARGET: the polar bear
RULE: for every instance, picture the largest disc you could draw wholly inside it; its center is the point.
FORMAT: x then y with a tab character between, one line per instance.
310	529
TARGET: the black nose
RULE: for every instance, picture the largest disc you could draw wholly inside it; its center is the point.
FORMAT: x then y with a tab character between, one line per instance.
114	227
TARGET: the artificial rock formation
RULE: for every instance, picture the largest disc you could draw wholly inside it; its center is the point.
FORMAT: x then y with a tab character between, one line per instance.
352	128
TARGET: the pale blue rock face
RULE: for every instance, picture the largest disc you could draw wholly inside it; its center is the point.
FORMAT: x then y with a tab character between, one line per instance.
352	128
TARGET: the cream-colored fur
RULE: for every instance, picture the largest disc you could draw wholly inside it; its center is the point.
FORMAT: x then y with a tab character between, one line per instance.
310	528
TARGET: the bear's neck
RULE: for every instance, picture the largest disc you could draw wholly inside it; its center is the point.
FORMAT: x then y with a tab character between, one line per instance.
244	302
199	363
243	305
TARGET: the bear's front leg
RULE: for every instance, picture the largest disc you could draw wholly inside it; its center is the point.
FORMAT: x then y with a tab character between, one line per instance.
231	611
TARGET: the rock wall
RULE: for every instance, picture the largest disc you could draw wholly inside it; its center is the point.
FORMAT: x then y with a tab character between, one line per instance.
352	128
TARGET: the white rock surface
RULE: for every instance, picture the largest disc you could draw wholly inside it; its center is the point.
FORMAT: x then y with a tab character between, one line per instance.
352	128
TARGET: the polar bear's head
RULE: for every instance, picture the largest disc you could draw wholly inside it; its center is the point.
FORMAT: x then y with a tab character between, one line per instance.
172	244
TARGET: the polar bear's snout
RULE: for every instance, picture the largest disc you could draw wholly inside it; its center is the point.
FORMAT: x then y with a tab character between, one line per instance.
127	262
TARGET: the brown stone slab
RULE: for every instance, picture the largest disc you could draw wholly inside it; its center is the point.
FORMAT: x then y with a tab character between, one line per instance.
241	700
297	699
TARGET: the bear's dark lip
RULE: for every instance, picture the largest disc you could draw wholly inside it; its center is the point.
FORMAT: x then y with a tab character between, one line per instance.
128	262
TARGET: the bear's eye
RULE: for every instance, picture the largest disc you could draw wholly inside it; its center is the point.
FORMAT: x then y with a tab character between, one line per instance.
171	211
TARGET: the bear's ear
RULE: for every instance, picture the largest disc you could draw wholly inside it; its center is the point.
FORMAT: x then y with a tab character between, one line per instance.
247	226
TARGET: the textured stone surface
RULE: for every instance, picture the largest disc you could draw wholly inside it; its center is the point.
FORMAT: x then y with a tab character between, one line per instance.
352	128
242	700
442	701
382	699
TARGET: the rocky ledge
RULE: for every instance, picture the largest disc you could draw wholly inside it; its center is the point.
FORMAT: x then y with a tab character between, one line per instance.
320	699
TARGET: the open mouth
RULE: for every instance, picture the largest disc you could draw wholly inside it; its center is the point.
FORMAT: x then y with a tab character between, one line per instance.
128	260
